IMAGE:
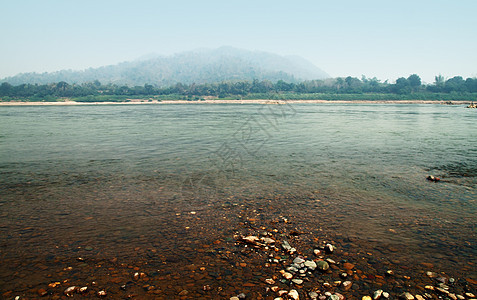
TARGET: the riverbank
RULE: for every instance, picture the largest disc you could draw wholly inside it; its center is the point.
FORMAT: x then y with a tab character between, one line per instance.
258	101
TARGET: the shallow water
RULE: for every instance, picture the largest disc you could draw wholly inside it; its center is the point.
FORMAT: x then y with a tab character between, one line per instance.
123	179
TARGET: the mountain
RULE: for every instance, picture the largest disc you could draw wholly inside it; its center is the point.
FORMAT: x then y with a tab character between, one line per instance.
199	66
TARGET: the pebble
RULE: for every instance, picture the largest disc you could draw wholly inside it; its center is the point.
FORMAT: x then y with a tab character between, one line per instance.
88	248
341	297
366	298
234	298
419	297
441	290
406	296
322	265
313	295
83	289
385	295
297	281
287	275
267	240
42	292
70	291
431	274
329	248
348	266
442	279
251	239
286	246
317	252
470	295
311	265
347	285
242	296
377	294
330	261
293	294
102	293
298	260
270	281
183	293
334	297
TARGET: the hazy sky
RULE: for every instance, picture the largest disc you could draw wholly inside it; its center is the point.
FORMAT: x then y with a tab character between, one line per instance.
386	39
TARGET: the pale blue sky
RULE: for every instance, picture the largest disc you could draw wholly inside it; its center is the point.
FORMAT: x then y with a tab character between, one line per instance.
386	39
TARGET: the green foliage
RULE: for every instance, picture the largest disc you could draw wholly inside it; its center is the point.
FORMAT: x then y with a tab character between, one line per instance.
349	88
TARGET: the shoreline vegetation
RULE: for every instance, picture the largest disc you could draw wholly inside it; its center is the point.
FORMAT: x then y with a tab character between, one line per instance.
349	89
67	102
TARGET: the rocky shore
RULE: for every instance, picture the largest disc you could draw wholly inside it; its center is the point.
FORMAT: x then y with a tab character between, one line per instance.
259	259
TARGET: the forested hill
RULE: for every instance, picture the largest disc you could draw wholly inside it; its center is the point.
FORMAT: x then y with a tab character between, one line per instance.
200	66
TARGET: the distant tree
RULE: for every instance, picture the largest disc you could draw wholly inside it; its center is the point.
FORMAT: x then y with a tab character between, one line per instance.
414	81
471	85
402	86
5	89
439	80
455	84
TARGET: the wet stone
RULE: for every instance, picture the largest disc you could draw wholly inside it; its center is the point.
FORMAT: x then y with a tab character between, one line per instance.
377	294
329	248
322	265
347	285
297	281
293	294
406	296
70	291
298	260
42	292
334	297
313	295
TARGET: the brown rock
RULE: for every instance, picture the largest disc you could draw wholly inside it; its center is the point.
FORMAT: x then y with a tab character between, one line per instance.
348	266
347	285
42	292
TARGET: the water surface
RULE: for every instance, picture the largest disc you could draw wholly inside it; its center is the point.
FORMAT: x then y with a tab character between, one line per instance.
122	179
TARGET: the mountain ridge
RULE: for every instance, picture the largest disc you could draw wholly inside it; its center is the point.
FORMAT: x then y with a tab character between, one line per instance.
197	66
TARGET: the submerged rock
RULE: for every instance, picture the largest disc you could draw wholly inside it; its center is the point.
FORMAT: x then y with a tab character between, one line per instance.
406	296
70	291
297	281
322	265
377	294
293	294
311	265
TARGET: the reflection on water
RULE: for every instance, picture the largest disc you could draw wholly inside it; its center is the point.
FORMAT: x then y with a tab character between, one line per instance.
120	178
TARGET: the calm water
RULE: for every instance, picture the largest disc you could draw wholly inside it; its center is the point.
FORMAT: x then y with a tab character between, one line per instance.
116	177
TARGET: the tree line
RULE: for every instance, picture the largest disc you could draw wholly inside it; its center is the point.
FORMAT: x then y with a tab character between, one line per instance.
411	85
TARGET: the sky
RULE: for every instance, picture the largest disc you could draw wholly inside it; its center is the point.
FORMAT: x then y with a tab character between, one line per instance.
383	39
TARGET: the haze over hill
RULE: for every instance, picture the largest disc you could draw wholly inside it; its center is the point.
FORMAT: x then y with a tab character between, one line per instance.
199	66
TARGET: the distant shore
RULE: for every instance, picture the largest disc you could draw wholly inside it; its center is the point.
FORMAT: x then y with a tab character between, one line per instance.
260	101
